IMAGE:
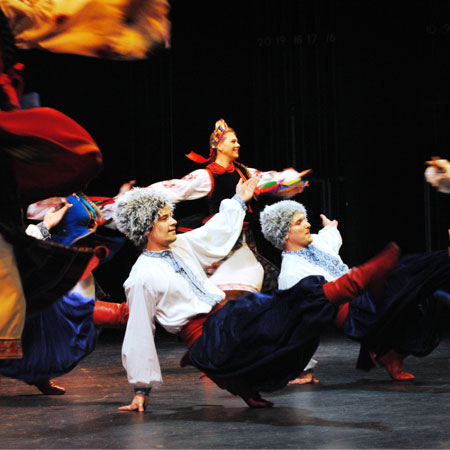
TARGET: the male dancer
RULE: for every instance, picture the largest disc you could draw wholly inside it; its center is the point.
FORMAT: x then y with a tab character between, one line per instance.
255	344
399	320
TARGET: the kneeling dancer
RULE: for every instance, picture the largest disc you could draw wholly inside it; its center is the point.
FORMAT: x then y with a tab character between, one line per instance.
255	344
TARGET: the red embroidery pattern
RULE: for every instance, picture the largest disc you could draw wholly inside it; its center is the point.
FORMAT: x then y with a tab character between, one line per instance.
190	176
10	349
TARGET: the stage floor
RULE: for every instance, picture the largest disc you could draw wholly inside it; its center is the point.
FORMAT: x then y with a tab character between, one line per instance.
347	409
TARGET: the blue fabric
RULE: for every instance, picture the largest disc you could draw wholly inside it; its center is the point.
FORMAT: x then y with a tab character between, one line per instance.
76	224
263	341
405	314
79	227
268	338
54	340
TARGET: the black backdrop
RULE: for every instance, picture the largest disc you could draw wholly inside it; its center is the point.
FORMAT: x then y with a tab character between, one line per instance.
356	90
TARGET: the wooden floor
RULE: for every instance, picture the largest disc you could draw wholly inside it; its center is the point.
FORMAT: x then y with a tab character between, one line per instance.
348	409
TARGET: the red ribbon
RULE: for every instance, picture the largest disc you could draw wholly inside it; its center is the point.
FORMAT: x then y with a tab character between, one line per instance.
199	158
12	84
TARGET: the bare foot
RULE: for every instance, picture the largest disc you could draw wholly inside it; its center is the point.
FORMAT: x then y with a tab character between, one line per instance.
305	379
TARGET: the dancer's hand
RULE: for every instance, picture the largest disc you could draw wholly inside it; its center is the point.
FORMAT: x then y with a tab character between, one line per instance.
140	403
54	215
126	187
443	165
245	189
326	222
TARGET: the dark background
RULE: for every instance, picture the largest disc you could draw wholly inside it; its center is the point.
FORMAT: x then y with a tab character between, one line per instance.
358	91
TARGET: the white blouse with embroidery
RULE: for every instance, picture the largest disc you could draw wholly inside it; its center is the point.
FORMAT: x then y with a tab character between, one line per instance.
157	290
298	265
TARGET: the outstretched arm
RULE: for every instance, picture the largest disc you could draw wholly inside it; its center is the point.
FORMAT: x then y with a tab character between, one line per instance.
139	356
214	240
126	187
326	222
329	238
284	184
192	186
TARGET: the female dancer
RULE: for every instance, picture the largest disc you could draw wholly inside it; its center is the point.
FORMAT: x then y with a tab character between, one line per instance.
243	270
56	339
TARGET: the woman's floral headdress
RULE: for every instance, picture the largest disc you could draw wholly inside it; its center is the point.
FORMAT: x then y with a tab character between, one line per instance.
217	135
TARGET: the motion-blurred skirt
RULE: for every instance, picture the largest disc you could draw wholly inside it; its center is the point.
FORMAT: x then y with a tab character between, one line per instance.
54	340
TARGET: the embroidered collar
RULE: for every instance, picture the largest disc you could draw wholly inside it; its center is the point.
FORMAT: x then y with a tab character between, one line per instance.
161	254
328	262
181	268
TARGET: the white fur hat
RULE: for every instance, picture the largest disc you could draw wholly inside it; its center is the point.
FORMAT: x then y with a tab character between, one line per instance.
276	220
136	211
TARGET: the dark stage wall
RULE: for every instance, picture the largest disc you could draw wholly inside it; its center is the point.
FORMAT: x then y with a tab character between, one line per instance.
356	90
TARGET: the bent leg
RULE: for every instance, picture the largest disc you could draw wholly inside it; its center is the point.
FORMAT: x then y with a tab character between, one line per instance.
367	276
110	314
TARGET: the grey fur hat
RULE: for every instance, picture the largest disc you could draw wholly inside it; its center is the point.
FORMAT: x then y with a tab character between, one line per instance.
276	220
136	211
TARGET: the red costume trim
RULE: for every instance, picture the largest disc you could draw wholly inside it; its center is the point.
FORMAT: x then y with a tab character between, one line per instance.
12	84
99	253
71	153
194	328
101	200
199	158
341	315
10	349
211	177
219	170
184	229
241	174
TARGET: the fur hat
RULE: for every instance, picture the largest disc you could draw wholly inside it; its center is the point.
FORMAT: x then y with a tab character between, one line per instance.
276	220
136	211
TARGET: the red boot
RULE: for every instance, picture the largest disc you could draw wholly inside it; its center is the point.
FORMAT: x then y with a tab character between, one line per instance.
110	315
393	363
369	275
48	387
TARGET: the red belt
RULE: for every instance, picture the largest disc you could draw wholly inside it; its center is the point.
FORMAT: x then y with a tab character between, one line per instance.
194	328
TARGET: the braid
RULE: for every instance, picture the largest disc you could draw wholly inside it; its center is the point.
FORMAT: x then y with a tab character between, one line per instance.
243	167
213	154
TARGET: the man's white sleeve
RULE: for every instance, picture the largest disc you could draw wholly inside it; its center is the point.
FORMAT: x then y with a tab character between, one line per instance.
139	356
33	231
329	239
214	240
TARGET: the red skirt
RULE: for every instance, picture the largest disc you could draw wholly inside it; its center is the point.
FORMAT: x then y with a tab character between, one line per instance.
53	154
